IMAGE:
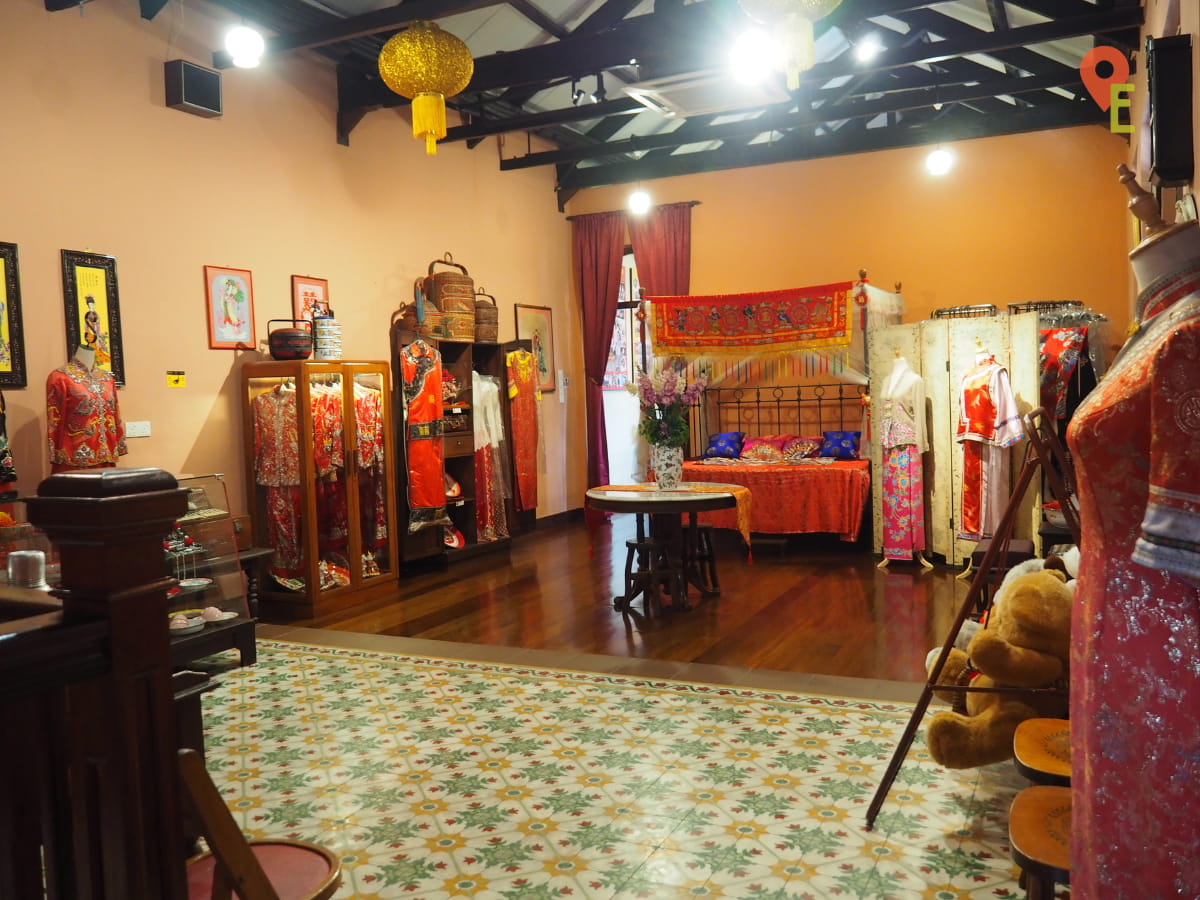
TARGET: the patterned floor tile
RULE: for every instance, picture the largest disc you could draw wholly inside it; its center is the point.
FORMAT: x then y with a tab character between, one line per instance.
437	778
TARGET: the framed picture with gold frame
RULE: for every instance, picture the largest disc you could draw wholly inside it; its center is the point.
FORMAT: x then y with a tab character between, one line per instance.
93	308
12	337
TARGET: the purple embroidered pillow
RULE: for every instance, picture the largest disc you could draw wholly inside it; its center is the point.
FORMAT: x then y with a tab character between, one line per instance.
840	444
727	444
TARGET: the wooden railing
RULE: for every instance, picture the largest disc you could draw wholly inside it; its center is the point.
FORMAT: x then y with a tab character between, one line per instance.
88	785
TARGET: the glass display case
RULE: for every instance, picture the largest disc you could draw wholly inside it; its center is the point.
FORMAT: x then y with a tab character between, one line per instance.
320	482
207	608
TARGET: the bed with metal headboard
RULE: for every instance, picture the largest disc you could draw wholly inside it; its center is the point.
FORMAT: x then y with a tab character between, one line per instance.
798	453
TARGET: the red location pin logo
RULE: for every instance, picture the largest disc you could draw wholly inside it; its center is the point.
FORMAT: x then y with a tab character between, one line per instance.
1097	86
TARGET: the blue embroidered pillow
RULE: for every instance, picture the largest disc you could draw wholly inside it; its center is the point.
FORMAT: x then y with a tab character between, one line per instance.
840	444
727	444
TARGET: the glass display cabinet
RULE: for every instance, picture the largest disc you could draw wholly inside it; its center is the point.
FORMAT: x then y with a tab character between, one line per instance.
207	608
320	482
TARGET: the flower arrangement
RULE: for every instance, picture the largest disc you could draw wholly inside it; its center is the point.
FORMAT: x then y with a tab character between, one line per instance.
665	396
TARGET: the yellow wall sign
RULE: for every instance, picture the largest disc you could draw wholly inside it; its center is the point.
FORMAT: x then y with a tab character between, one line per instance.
176	379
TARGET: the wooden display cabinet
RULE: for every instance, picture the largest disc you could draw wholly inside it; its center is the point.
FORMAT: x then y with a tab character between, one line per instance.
201	554
460	359
320	483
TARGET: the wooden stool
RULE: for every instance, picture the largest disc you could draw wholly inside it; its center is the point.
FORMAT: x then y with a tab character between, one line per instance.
648	565
1042	751
1039	832
706	560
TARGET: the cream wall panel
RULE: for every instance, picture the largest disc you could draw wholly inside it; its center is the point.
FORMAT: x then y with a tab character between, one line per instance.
1024	373
939	477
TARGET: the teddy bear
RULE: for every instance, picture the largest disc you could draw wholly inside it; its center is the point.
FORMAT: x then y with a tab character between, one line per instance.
1068	562
1025	644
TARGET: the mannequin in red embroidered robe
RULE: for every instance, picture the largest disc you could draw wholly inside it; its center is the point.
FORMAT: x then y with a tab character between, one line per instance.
525	397
84	425
988	425
421	370
1135	635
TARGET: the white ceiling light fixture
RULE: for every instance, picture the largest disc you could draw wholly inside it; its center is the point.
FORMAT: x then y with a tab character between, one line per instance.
868	48
754	55
245	46
940	161
639	202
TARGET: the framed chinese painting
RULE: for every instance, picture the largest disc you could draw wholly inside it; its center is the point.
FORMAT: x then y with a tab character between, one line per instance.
93	309
535	324
229	307
310	297
12	338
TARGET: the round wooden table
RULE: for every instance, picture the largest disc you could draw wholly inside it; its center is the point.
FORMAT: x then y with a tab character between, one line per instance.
670	554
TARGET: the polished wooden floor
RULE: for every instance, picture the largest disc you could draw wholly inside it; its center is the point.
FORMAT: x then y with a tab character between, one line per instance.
811	605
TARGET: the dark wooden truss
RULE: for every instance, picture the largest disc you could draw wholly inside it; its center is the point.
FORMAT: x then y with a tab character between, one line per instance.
939	80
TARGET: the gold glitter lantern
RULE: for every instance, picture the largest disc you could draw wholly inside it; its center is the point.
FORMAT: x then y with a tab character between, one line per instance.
427	65
793	21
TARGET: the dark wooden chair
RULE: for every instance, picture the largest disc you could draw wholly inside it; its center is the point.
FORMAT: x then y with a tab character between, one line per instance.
1039	832
251	870
1042	751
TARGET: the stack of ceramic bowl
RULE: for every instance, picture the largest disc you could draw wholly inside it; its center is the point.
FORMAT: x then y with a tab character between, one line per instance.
327	338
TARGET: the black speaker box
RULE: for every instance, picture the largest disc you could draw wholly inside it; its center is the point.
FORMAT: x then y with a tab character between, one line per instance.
1169	74
192	88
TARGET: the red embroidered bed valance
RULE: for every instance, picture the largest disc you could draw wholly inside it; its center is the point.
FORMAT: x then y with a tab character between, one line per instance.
770	321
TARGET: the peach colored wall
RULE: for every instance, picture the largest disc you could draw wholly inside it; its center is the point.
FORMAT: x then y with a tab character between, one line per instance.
1030	217
92	159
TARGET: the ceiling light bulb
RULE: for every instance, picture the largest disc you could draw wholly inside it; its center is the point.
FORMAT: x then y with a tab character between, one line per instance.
940	161
753	56
245	46
639	202
868	48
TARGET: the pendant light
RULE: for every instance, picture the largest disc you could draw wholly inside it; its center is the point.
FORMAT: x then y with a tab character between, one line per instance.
427	65
792	21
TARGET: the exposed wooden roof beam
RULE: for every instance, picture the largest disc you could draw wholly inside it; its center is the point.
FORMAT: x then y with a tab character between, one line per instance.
784	122
917	134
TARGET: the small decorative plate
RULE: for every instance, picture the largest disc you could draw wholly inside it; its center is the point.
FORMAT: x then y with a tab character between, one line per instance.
192	584
194	622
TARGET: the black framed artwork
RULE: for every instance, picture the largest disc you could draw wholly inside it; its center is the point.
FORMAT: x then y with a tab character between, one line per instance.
93	309
12	336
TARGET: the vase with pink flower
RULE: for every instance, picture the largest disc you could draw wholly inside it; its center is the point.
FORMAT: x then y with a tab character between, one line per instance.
665	396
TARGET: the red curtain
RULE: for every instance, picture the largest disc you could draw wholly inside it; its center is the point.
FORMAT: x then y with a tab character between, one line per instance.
662	249
599	245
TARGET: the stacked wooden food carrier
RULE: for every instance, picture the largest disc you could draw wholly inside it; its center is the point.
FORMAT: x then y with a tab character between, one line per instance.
452	308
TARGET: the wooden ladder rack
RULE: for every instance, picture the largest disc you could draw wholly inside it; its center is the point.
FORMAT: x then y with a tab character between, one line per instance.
1045	452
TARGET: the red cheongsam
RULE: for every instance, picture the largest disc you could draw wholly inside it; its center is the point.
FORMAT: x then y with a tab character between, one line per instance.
525	395
1135	634
421	370
277	468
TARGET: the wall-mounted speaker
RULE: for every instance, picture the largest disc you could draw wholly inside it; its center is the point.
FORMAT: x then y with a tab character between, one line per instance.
192	88
1169	74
